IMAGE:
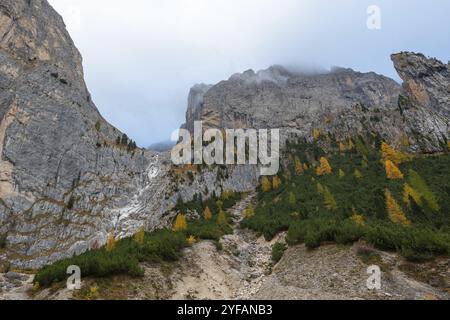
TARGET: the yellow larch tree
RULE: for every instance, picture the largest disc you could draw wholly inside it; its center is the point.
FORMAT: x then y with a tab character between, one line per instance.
298	166
389	153
417	182
139	236
342	147
222	218
276	182
358	174
191	240
357	218
320	188
350	145
341	173
110	242
249	212
305	166
330	202
392	171
316	134
207	214
180	223
324	167
408	193
394	210
265	184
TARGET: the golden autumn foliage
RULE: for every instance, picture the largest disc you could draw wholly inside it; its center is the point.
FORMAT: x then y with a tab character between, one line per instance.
448	145
222	218
341	173
227	195
180	223
305	166
342	147
392	171
191	240
389	153
417	182
358	219
350	145
249	212
408	193
207	214
276	182
324	167
358	174
110	242
320	188
316	134
394	210
265	184
298	166
330	202
92	294
139	236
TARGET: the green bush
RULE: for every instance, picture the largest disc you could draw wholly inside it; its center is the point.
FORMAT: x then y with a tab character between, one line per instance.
123	259
3	241
208	230
278	250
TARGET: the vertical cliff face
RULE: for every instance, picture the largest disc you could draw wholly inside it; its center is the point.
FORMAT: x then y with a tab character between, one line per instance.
195	105
67	177
61	169
425	98
342	102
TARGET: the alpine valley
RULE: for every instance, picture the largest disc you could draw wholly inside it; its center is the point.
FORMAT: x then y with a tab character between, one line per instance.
364	180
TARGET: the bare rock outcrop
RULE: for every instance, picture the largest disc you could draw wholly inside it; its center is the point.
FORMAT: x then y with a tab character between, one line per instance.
425	98
341	102
61	168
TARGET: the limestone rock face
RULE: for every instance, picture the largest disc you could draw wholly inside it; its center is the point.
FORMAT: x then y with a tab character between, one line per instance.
279	98
342	102
195	105
65	181
425	98
61	170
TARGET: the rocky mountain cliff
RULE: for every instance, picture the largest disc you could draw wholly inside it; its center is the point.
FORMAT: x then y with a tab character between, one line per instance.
425	99
341	102
68	178
61	166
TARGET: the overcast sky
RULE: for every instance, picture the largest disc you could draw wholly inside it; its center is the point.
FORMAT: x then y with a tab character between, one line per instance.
142	56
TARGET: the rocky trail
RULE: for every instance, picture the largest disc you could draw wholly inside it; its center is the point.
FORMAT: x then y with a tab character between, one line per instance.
235	272
15	286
